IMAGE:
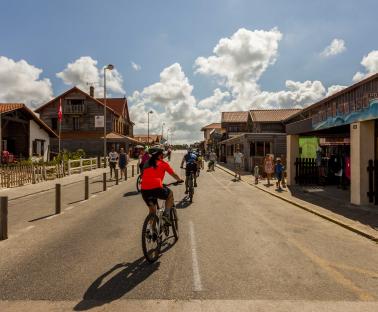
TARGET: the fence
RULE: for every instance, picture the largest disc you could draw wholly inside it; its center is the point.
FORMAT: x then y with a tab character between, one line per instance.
306	171
81	164
372	169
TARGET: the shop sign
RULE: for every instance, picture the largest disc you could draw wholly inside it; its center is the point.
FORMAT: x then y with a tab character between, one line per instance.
99	121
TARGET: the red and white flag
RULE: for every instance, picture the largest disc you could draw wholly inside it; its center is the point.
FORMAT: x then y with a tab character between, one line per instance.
60	112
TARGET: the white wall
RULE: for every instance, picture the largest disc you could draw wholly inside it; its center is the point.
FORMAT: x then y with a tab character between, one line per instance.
37	133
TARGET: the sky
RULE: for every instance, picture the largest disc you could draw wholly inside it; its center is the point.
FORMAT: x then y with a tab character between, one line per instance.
186	60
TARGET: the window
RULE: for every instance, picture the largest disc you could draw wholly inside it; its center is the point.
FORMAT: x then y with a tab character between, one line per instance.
76	123
260	149
54	123
38	147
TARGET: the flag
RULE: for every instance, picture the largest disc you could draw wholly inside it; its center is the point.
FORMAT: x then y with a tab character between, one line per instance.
60	113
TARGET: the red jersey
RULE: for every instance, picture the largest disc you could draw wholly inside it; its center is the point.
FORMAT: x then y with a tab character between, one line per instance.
153	177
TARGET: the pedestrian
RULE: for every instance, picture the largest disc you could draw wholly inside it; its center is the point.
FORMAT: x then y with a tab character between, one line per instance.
268	167
122	162
238	160
278	170
212	161
113	158
256	174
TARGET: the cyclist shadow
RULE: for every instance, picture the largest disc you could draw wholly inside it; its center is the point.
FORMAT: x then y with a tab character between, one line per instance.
183	203
133	193
104	290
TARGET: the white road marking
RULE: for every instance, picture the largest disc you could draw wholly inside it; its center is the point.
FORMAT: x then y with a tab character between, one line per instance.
196	274
109	188
28	228
93	196
70	207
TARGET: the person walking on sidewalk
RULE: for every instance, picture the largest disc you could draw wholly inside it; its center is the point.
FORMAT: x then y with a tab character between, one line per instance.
256	172
122	162
113	158
238	160
212	161
278	170
268	167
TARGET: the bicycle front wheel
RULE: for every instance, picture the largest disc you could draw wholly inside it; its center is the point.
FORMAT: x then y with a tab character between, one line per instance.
151	244
174	221
138	183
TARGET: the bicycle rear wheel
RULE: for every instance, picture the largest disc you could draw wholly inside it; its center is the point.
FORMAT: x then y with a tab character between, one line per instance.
174	221
151	244
138	183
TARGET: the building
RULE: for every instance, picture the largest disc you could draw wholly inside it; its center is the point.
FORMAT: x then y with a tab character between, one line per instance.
262	132
212	134
151	139
22	133
82	126
344	126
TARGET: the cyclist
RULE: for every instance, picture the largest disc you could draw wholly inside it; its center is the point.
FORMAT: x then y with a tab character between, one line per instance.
199	162
152	183
143	158
191	167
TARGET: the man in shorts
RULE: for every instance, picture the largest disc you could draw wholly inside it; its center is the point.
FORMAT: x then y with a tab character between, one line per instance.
113	159
238	159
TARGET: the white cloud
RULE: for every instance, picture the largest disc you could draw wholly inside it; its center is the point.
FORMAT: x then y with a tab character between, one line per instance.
334	89
215	100
337	46
84	71
20	82
172	102
370	62
136	66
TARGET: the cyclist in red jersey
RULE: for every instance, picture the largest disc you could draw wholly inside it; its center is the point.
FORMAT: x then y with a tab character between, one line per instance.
152	183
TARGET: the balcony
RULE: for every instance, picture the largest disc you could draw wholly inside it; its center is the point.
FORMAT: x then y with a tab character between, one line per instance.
77	108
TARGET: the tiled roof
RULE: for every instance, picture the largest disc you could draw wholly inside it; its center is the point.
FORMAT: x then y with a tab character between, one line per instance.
8	107
116	104
272	115
214	125
235	116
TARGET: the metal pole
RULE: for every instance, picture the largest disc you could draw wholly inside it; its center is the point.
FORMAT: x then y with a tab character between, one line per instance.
148	128
104	117
132	171
86	196
116	176
4	218
58	198
126	173
104	181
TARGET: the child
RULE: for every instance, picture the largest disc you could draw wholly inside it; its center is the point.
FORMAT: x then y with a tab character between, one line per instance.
256	174
278	170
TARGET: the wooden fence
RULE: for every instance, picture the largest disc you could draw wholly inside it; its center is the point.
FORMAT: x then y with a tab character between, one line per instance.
306	171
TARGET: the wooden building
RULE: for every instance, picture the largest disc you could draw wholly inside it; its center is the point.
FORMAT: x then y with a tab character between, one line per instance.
82	126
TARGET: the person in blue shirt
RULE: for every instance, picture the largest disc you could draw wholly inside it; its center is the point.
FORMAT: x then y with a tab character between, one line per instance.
190	159
278	170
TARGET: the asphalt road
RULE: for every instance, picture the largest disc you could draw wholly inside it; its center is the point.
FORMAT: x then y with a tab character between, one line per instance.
238	246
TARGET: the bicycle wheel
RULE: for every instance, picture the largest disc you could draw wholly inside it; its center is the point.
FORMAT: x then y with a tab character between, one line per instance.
174	221
138	183
151	244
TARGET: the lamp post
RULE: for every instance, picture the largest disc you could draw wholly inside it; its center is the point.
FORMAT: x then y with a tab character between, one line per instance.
148	126
109	67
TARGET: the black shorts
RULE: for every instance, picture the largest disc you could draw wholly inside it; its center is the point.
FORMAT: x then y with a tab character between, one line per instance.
151	196
112	165
190	167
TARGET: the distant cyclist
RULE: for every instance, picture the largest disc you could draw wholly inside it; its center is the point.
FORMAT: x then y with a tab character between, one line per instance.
143	158
152	183
190	159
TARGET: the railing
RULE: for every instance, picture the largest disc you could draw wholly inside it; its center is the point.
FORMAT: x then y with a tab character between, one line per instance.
74	109
79	165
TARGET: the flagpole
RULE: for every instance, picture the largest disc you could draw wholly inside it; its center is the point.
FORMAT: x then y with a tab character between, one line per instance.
60	117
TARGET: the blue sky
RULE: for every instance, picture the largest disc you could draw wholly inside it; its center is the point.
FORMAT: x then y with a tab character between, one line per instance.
156	34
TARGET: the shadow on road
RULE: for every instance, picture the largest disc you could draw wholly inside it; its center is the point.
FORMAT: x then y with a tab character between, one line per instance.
41	218
183	203
133	193
129	276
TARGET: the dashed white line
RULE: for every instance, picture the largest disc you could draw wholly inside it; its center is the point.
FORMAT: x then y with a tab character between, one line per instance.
197	284
70	207
28	228
93	196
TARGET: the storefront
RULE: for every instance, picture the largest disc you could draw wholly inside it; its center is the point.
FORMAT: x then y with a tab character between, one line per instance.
344	126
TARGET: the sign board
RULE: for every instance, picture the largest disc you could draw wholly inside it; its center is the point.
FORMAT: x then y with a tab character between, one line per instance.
99	121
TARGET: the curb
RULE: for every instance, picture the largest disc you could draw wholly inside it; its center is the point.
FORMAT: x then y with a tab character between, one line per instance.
333	220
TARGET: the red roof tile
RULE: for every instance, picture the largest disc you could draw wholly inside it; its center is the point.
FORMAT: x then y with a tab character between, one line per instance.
214	125
8	107
116	104
272	115
235	116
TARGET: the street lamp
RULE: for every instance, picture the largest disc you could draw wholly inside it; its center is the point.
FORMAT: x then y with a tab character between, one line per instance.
148	126
109	67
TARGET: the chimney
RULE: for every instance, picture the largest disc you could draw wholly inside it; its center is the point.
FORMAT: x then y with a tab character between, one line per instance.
91	91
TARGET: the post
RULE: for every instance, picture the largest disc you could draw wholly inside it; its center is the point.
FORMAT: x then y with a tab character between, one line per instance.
98	161
126	173
3	218
58	198
90	163
33	174
132	171
104	181
116	176
81	165
69	166
86	196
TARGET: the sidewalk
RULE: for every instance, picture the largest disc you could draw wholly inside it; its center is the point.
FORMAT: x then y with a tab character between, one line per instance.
329	203
30	189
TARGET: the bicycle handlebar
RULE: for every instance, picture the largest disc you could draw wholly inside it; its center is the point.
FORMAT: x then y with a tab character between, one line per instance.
174	183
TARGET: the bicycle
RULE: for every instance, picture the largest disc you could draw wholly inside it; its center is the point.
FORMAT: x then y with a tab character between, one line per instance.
190	184
139	183
154	229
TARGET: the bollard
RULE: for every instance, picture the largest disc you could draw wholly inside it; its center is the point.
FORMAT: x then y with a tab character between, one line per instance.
58	198
126	173
86	196
104	181
116	176
98	162
132	171
4	218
